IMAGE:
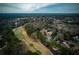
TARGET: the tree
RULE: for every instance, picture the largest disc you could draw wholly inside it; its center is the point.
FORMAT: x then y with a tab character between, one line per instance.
30	29
67	35
54	33
41	37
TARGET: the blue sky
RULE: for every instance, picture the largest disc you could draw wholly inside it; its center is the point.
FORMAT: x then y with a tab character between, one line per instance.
39	8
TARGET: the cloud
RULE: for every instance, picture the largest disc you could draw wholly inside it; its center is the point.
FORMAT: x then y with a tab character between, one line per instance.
38	8
31	7
21	7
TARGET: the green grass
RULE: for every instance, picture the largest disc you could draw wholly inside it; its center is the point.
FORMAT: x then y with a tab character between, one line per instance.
18	34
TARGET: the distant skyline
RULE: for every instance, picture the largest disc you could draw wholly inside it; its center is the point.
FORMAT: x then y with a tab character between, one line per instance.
39	8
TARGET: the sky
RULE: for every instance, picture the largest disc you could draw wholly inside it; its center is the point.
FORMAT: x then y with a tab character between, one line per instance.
39	8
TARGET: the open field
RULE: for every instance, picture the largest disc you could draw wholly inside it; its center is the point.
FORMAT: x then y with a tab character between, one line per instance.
33	46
